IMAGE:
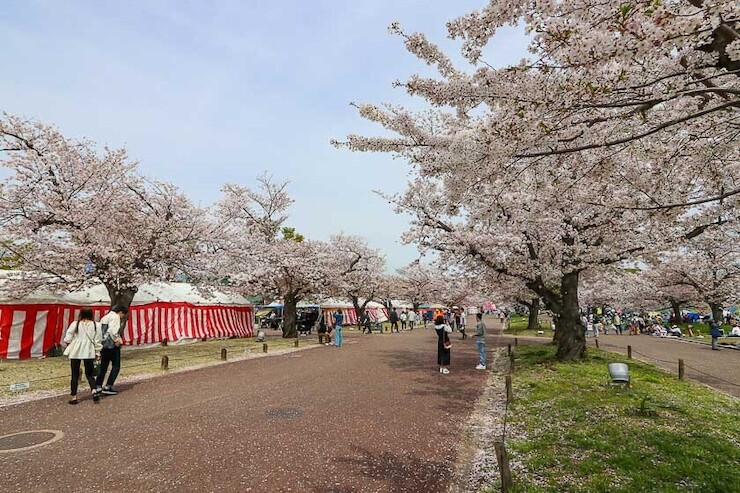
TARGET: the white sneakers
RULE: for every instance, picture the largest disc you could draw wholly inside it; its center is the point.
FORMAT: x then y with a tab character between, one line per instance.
480	367
444	371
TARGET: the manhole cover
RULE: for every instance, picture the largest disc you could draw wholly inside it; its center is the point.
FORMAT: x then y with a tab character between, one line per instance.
26	440
283	413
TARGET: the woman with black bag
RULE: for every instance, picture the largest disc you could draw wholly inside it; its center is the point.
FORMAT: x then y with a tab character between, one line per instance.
84	342
443	344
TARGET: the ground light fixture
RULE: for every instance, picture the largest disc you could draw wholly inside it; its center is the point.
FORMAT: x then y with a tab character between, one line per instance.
619	373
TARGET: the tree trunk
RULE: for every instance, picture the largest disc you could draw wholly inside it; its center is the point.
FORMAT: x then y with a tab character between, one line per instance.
570	334
676	309
121	297
717	312
534	314
359	309
289	315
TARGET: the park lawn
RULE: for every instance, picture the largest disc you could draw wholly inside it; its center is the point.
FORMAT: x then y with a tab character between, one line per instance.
518	326
53	373
570	431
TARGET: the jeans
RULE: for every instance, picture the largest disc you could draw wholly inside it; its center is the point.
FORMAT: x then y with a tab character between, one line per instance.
113	356
75	363
482	352
338	336
714	343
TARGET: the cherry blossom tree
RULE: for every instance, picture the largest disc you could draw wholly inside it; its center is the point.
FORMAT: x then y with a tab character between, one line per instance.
420	283
357	272
256	252
74	214
707	266
389	289
558	165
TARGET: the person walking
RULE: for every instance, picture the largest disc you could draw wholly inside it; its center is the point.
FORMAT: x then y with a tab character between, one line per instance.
84	342
716	332
338	320
366	323
322	329
394	320
412	319
443	344
110	329
480	334
404	318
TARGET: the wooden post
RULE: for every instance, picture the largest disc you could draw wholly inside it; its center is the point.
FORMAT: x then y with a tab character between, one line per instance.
223	354
164	341
516	341
509	351
165	363
264	348
629	352
511	362
597	344
509	390
296	343
321	338
680	369
503	466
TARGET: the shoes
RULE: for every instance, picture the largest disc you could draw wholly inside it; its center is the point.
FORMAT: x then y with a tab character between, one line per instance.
445	371
96	396
72	401
480	367
109	391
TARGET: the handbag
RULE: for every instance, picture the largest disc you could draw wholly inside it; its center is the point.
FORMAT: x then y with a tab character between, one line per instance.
447	342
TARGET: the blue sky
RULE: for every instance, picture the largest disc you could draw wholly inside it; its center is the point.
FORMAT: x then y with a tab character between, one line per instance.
203	93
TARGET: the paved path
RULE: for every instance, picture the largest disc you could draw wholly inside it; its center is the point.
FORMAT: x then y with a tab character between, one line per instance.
372	416
719	369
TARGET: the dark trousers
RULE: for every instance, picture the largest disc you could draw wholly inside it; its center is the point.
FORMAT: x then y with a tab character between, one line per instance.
107	356
394	325
75	363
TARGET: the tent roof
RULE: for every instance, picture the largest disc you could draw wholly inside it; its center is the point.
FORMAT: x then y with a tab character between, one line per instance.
147	293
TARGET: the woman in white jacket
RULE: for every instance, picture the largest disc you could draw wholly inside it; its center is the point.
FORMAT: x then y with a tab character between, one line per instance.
84	342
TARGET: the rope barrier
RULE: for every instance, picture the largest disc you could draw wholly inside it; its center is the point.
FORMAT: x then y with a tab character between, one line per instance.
675	362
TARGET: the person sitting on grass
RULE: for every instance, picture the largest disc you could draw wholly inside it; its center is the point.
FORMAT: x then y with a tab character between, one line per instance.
735	332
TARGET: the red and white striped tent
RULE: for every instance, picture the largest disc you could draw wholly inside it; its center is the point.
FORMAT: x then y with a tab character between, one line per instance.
172	311
329	306
377	312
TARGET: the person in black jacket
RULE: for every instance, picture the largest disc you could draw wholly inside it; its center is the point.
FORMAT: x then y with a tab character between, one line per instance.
394	320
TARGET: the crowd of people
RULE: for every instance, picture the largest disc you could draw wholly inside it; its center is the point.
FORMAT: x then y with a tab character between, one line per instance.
657	325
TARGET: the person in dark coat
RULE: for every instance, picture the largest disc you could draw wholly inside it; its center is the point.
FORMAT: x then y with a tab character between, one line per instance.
443	344
716	332
394	320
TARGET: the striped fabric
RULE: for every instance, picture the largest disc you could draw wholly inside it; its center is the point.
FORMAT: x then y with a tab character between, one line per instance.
350	316
28	331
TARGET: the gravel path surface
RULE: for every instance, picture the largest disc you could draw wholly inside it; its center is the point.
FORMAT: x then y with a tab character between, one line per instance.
718	369
374	415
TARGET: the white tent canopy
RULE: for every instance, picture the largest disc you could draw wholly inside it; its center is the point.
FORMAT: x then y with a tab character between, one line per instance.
147	293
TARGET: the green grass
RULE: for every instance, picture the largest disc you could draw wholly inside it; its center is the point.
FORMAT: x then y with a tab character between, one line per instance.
578	434
53	373
518	326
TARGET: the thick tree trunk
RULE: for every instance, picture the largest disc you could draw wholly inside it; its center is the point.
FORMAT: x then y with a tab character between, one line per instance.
289	315
534	314
121	297
359	308
570	334
676	309
717	312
